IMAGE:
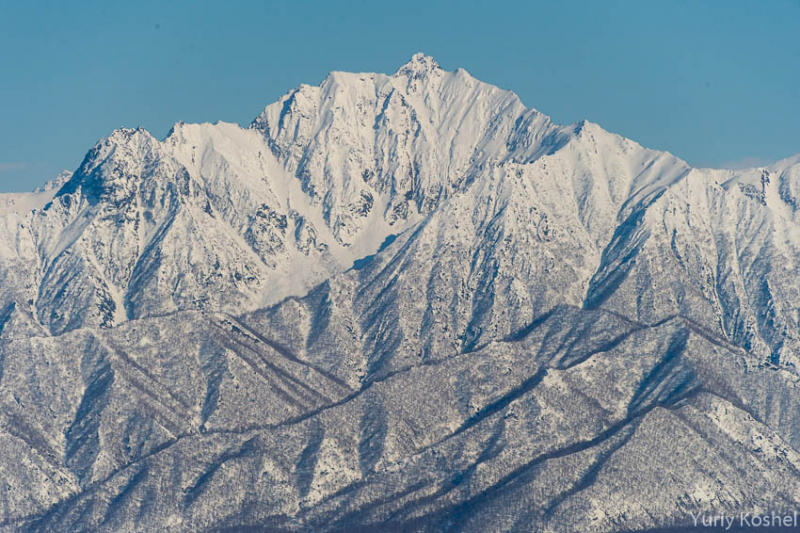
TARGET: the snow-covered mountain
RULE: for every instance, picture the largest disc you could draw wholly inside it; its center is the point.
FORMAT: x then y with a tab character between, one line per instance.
24	202
405	302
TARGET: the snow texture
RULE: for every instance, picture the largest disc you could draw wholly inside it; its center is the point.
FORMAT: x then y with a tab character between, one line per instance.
397	302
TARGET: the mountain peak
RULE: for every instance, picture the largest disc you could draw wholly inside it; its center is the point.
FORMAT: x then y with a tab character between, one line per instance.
391	252
419	64
55	183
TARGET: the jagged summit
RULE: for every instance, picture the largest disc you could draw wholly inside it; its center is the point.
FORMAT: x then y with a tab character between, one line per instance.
325	174
419	65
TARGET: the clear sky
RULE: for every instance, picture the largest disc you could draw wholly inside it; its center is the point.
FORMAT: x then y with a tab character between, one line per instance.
715	82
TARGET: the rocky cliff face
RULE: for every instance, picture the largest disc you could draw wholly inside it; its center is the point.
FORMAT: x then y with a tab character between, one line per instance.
403	302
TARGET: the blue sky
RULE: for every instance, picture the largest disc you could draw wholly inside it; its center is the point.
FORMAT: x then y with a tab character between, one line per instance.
714	82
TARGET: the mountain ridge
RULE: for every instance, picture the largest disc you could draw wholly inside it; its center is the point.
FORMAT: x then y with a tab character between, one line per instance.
399	301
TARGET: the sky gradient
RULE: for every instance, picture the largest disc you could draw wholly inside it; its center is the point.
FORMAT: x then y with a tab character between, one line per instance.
714	82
